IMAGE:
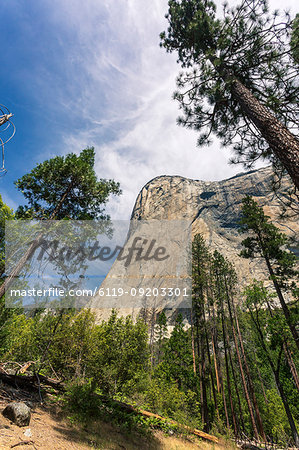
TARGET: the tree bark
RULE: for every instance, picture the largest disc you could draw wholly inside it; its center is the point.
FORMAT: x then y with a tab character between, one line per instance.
288	356
236	388
192	341
283	143
279	386
247	397
205	409
202	381
228	375
287	409
211	369
250	383
291	364
282	301
219	371
261	381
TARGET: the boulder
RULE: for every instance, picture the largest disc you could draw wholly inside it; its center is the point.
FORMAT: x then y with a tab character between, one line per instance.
18	412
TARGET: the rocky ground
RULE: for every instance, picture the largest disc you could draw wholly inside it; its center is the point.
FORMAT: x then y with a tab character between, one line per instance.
49	429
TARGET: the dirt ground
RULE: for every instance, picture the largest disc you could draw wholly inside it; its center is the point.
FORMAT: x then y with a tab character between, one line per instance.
49	430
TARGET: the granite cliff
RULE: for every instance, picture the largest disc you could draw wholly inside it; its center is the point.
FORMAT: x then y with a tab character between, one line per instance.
214	210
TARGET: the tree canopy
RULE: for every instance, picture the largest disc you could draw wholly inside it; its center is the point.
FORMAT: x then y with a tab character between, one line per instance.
266	240
65	186
240	78
6	213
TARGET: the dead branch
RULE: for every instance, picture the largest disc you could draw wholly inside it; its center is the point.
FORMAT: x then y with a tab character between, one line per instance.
23	443
31	382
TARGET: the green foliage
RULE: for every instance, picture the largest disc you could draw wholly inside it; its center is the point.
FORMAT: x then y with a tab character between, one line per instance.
121	356
6	213
109	362
60	342
163	397
276	420
66	186
246	43
161	329
84	405
70	345
177	361
265	318
200	268
272	342
160	335
267	241
295	39
259	298
17	334
80	399
113	358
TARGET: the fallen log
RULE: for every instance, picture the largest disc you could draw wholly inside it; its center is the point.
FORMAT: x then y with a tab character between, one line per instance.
32	383
194	431
130	408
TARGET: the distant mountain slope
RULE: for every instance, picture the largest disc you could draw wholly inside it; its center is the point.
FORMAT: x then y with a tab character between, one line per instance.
214	210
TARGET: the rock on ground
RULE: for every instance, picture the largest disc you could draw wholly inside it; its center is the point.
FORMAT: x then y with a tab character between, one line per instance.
18	413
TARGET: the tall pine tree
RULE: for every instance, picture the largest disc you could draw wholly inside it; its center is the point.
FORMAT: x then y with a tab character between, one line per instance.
59	188
240	82
266	240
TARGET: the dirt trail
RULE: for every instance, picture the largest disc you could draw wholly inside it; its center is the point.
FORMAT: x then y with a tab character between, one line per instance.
49	430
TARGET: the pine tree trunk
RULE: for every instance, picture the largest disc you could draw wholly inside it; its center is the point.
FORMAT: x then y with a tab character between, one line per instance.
225	407
236	388
287	409
228	376
247	397
152	336
192	341
288	356
214	353
201	369
217	359
250	383
285	309
211	369
277	381
283	143
215	365
203	384
261	381
291	364
256	434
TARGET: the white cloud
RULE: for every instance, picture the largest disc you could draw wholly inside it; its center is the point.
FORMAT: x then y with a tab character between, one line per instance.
123	92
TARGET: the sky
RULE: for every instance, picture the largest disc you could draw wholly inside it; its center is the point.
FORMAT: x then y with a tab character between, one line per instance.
78	74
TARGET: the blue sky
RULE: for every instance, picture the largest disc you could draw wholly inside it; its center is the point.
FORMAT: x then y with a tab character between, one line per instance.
76	74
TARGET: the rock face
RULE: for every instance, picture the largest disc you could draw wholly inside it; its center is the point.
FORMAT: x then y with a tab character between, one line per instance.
18	412
214	211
